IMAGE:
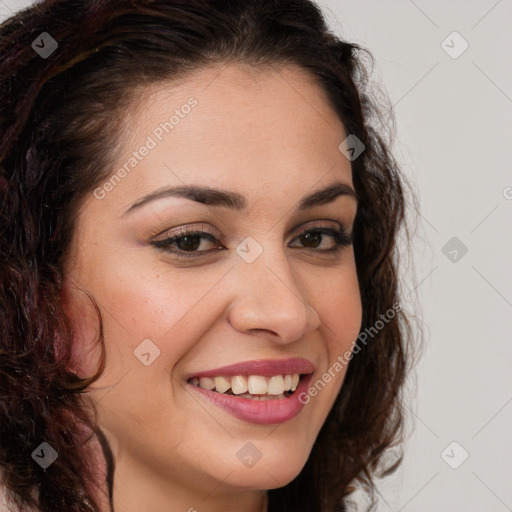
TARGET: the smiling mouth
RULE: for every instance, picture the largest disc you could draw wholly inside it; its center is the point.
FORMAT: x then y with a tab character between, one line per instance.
253	387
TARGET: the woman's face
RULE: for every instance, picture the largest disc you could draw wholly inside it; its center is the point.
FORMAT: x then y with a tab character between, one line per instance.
255	299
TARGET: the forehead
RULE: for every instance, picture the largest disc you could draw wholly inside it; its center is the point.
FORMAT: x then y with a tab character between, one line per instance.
241	127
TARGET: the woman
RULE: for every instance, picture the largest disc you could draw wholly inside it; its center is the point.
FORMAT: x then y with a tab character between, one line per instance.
199	298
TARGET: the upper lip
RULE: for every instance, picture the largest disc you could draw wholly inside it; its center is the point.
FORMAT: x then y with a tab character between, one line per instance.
263	367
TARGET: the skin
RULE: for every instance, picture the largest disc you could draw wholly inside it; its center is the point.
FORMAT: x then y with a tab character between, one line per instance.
270	135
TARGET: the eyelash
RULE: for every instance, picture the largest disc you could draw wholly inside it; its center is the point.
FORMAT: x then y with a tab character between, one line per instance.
341	239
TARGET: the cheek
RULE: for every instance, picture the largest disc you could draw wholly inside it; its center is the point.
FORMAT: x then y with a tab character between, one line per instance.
344	317
337	300
154	302
338	303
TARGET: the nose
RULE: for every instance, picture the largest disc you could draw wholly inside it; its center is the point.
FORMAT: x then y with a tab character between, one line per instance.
268	298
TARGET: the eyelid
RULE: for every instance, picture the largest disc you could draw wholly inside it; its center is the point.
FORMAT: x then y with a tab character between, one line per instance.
169	233
186	229
320	223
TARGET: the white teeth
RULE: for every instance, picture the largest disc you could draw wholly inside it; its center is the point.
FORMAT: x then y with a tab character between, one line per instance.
257	385
238	385
275	385
207	383
222	384
287	382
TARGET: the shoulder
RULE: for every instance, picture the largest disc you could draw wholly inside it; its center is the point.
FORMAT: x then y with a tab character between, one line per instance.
3	501
5	504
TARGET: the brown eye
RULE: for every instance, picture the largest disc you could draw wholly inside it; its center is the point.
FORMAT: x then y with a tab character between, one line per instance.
186	243
312	239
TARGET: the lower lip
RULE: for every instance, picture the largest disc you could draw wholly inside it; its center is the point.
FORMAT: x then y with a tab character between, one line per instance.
260	412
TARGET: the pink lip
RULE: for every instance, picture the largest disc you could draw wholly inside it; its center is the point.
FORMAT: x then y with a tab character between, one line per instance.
263	367
260	412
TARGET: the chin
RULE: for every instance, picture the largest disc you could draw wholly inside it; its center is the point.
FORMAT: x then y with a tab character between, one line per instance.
276	468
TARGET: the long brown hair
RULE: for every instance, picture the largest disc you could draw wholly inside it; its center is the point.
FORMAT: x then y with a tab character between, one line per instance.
60	126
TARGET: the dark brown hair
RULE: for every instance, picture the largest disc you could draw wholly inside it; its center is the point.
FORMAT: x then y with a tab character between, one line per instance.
57	114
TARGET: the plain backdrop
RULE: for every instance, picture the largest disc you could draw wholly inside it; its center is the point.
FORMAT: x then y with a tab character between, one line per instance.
446	66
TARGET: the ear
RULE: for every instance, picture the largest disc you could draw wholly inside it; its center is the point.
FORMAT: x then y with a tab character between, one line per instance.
82	317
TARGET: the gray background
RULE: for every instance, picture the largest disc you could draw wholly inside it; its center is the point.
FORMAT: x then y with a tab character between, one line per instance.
454	134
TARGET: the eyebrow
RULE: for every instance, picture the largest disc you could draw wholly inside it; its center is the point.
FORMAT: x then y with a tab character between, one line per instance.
229	199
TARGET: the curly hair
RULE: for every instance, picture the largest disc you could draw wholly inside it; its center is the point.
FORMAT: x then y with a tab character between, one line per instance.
61	124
